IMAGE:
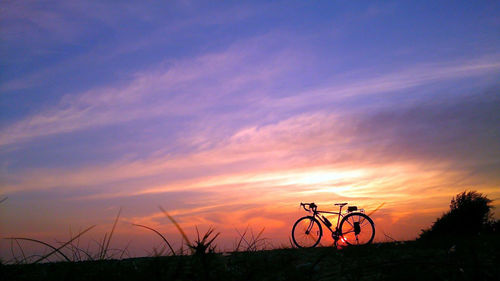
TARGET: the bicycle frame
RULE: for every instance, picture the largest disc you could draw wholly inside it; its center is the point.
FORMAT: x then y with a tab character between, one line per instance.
324	220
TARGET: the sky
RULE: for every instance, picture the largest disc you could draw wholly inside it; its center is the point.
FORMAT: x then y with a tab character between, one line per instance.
230	114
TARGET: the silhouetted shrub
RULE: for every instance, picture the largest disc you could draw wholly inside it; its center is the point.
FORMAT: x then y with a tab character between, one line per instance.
494	226
470	213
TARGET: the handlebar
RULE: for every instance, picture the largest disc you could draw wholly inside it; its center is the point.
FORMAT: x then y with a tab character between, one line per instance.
309	206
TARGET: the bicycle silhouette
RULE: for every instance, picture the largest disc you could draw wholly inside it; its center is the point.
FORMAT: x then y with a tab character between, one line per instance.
355	228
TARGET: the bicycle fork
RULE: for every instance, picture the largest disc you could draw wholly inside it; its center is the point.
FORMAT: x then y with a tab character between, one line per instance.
308	230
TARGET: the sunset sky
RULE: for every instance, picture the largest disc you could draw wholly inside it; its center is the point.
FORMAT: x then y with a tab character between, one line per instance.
230	114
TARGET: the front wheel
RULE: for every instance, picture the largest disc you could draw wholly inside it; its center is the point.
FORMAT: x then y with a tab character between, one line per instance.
357	229
306	232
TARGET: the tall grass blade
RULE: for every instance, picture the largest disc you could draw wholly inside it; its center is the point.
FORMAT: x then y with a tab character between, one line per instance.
389	237
260	233
155	231
213	239
242	238
43	243
101	246
256	240
178	227
376	209
55	250
21	249
125	251
111	234
80	250
64	245
12	251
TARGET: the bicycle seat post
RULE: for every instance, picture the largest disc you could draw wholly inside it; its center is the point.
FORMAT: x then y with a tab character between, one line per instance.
340	206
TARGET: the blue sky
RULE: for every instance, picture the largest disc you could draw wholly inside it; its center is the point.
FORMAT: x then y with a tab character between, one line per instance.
203	106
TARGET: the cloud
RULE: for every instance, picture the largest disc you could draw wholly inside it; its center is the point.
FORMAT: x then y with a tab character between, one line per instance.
417	143
180	88
404	79
63	25
194	87
461	130
247	145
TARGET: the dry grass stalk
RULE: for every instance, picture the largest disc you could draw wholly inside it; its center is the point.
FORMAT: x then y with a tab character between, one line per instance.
105	243
157	232
178	227
253	242
55	250
376	209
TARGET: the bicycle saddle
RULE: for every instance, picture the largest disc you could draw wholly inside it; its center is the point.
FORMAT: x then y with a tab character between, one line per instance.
340	204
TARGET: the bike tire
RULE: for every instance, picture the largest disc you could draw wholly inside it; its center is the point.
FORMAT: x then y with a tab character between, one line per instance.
307	232
361	235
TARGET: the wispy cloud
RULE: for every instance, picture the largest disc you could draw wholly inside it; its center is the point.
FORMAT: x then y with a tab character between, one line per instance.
405	157
67	24
321	149
181	88
193	86
421	74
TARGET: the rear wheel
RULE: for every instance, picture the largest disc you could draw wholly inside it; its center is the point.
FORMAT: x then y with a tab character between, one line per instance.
306	232
357	229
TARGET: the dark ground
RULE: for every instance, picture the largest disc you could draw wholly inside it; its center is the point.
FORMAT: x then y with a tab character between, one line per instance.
471	258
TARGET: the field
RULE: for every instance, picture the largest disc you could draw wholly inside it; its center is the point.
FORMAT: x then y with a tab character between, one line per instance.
473	258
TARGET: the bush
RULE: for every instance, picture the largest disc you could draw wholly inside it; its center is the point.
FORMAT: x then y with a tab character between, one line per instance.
494	226
470	213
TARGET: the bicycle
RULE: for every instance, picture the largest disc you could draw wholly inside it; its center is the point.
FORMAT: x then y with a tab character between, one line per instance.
355	228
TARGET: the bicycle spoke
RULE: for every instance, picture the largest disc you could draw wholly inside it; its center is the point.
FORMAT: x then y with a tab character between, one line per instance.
349	223
361	221
366	222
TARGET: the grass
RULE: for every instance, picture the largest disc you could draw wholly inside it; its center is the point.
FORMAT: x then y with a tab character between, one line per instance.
469	258
158	233
104	252
248	241
463	259
54	249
